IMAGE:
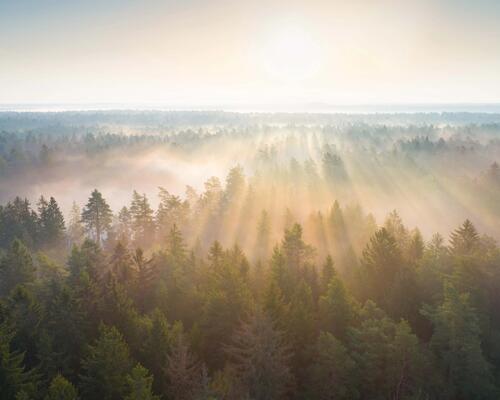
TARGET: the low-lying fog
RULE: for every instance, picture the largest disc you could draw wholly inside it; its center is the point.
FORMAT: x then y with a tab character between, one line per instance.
435	169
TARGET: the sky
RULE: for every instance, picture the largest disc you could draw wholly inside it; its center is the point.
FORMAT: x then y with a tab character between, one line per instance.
209	53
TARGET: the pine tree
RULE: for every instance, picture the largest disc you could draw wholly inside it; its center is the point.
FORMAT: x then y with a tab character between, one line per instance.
274	305
145	277
457	344
61	389
337	310
106	367
390	363
185	374
416	246
96	216
140	385
172	211
51	221
176	247
121	264
338	229
295	250
16	267
13	376
327	273
332	374
394	226
215	256
19	221
142	220
465	239
260	359
124	225
381	263
76	231
157	346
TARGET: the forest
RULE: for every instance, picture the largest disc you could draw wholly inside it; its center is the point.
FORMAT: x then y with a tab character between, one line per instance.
214	255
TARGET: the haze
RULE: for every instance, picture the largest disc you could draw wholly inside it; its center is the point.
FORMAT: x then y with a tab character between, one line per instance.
208	54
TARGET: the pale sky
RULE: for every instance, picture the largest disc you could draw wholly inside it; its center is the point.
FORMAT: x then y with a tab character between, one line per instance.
221	52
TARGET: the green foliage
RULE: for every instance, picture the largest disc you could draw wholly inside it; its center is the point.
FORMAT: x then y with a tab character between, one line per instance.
457	344
61	389
51	222
141	215
332	375
337	309
243	324
14	378
465	239
16	267
96	216
259	359
140	385
106	366
185	375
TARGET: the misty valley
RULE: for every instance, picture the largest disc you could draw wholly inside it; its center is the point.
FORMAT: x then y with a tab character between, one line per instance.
192	255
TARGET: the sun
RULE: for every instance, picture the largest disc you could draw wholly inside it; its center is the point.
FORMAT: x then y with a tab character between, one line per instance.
291	55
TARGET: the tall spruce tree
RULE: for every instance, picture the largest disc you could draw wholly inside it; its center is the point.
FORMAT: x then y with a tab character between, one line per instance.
456	342
16	267
142	220
51	222
260	359
106	367
96	216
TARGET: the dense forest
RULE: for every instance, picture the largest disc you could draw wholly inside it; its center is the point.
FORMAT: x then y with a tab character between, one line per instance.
305	257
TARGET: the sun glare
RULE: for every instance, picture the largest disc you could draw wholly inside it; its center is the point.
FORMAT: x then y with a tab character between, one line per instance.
291	55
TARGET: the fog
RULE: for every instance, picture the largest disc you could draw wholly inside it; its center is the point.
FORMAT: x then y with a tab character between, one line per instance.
434	169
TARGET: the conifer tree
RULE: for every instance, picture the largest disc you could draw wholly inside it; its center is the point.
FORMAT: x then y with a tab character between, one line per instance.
332	375
337	310
140	385
51	221
172	210
186	376
327	273
106	366
457	344
61	389
16	267
121	264
142	220
96	216
76	230
260	359
465	239
124	225
14	378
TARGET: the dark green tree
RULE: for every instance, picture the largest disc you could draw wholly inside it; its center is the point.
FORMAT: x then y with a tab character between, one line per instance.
96	216
51	222
14	378
457	344
61	389
140	385
332	375
337	309
16	267
106	367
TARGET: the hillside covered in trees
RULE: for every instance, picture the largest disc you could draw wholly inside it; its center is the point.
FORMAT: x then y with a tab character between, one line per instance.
190	256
